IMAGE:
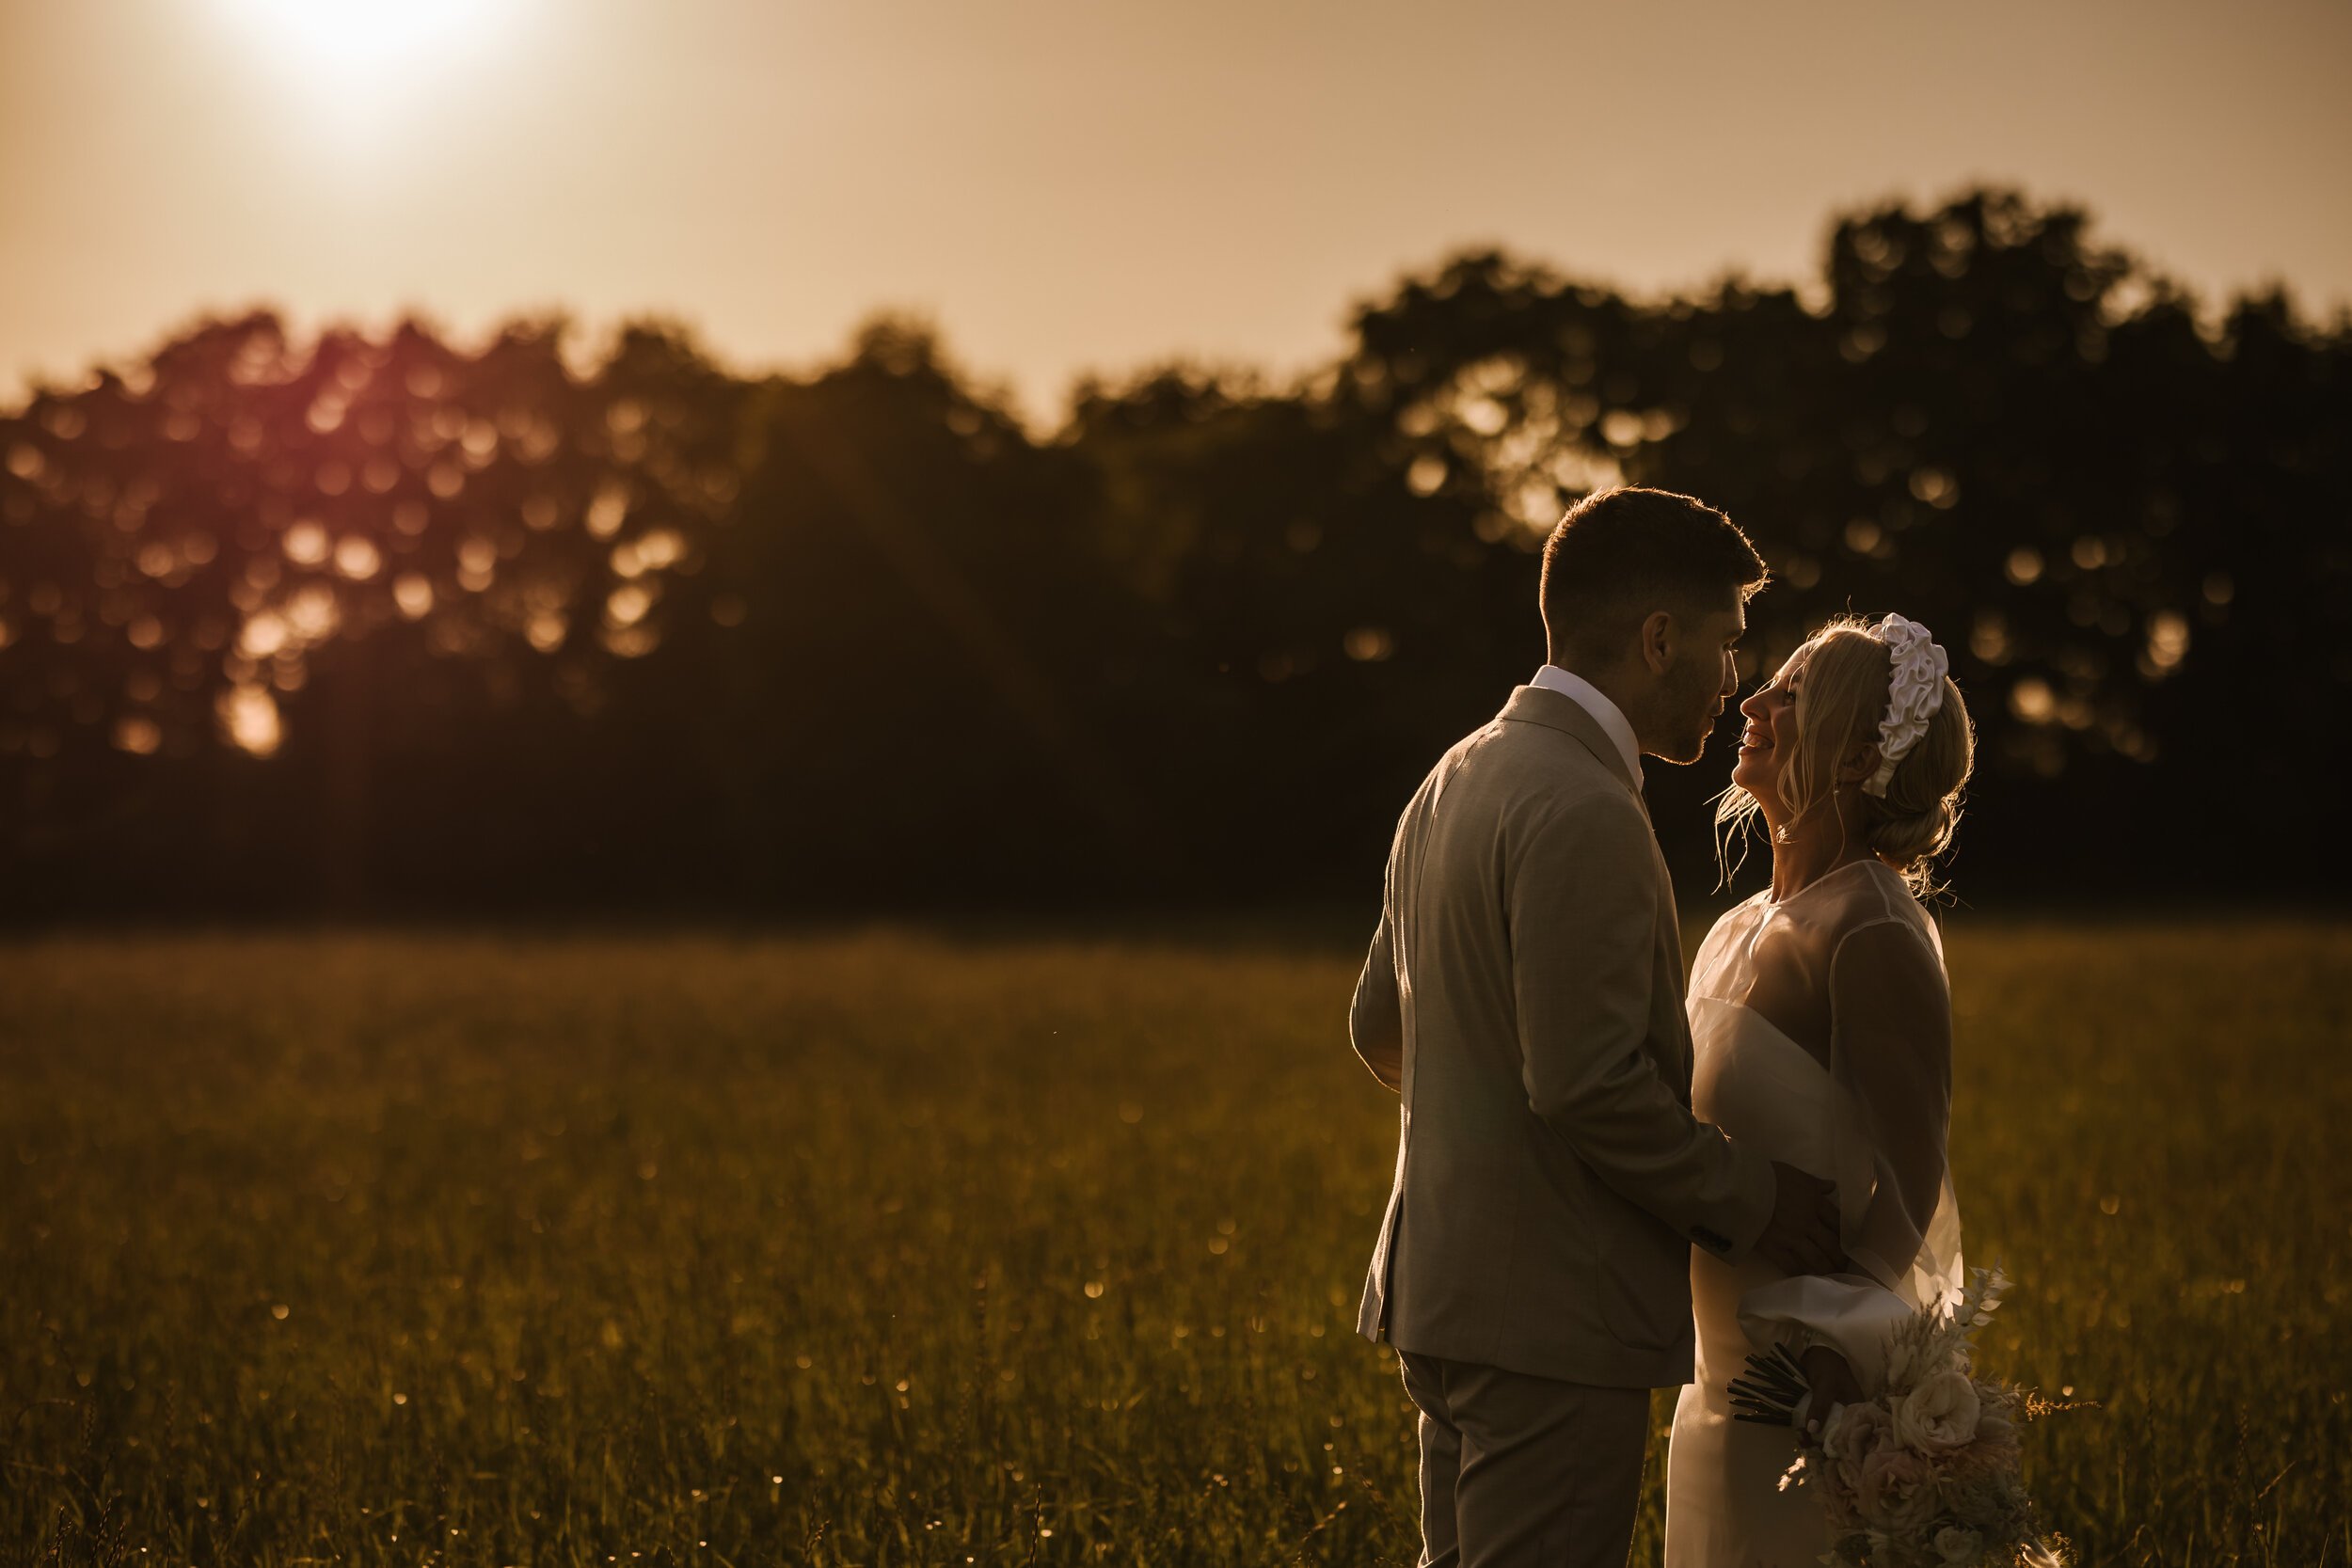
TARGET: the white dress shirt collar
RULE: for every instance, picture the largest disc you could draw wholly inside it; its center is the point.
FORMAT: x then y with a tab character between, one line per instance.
1606	714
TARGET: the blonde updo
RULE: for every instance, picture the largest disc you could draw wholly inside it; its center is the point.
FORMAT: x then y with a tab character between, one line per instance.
1842	696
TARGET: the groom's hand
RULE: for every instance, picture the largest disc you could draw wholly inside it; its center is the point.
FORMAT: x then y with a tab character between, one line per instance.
1802	1236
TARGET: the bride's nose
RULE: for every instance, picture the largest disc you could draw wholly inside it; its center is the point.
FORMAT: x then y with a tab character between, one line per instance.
1753	707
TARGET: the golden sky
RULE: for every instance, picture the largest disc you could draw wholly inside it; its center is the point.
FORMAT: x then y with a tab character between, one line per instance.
1064	185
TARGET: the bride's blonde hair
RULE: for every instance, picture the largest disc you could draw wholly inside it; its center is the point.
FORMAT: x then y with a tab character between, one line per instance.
1842	696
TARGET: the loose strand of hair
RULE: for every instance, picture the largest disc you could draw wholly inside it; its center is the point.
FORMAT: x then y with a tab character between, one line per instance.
1735	816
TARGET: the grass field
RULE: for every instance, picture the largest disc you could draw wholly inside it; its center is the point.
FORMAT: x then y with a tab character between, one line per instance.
898	1249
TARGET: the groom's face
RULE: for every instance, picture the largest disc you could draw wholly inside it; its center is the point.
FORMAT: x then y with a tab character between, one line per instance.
1700	680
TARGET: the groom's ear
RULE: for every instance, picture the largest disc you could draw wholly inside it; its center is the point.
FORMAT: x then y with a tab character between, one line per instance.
1658	635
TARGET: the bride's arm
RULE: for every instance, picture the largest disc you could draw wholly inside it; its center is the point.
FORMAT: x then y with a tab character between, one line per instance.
1891	1056
1891	1052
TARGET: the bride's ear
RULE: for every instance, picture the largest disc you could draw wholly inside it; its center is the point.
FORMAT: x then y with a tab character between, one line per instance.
1858	763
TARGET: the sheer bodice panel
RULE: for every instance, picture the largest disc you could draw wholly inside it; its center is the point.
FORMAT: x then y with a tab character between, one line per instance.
1775	957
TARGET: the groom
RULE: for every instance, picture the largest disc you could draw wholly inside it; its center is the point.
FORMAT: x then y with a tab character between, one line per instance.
1524	995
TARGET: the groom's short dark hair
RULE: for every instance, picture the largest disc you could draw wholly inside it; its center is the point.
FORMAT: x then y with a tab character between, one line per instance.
1620	554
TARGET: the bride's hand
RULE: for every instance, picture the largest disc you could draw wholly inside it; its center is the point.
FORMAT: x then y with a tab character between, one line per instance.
1832	1380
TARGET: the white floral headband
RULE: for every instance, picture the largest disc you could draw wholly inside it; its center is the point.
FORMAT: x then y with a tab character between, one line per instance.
1912	694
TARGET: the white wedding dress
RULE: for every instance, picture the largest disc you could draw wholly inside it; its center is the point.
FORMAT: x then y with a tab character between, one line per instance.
1822	1033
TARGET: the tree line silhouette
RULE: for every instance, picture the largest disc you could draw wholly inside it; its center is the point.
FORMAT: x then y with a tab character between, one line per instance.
380	626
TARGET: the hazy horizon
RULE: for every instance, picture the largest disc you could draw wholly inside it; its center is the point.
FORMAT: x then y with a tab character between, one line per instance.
1062	191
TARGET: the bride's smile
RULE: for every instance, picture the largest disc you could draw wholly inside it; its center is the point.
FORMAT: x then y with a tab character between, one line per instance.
1768	708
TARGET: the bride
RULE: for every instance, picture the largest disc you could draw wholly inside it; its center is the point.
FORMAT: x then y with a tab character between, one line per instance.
1822	1020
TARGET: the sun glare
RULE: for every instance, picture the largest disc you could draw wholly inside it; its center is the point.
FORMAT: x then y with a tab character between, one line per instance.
357	61
366	34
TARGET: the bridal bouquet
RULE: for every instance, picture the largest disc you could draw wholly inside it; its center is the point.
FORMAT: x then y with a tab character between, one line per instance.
1924	1474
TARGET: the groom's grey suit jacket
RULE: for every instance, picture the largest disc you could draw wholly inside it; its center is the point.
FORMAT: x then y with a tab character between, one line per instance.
1524	995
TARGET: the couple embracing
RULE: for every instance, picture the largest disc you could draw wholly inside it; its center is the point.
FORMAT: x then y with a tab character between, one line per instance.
1607	1181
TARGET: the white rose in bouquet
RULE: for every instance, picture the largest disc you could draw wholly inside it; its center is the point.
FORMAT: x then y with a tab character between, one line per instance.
1959	1548
1898	1492
1939	1415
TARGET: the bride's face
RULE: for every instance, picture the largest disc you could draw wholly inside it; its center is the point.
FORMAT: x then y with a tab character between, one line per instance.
1769	736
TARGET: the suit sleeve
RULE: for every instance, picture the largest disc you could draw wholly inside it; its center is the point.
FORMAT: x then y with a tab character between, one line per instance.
1375	1022
1582	908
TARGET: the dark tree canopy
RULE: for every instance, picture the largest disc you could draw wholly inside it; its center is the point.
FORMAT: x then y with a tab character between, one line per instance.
379	625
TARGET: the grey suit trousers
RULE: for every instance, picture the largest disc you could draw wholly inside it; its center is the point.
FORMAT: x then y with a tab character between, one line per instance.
1520	1471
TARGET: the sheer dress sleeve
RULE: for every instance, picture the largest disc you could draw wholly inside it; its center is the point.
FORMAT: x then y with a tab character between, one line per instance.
1890	1060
